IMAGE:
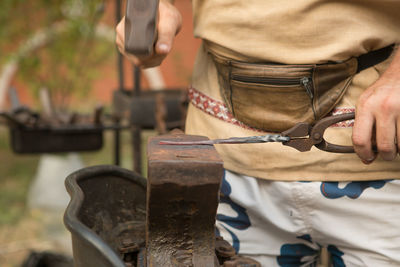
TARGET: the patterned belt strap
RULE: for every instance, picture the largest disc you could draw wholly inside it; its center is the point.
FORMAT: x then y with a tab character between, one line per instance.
219	110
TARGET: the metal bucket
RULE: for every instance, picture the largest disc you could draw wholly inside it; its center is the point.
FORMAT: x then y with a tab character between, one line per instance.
106	216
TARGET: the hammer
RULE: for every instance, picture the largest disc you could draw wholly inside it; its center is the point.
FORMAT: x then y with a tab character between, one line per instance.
141	27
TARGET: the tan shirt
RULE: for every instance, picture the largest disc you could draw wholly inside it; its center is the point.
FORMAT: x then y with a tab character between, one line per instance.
298	32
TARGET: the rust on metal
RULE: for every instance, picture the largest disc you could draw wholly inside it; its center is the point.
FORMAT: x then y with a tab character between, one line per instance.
182	199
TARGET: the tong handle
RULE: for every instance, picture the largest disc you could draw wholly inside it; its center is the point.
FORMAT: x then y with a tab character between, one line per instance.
141	27
317	134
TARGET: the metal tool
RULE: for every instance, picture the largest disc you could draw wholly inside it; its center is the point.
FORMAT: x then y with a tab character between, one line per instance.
234	140
140	27
303	136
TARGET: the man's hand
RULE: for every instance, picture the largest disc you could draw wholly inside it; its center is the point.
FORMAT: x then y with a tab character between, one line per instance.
378	116
169	24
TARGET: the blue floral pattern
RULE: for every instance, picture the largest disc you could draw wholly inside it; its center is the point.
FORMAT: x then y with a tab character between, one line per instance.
240	222
352	190
294	255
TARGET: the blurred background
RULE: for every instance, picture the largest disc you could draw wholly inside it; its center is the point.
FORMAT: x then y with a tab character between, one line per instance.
66	47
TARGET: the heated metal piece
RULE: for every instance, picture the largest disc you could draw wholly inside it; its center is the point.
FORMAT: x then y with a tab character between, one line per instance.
182	195
303	136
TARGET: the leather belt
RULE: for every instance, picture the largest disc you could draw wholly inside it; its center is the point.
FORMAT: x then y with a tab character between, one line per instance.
372	58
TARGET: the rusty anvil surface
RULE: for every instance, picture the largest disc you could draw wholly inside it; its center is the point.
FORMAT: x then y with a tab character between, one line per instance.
182	199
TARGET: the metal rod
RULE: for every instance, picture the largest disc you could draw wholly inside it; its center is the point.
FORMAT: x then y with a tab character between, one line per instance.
136	137
136	130
137	80
120	67
117	143
120	61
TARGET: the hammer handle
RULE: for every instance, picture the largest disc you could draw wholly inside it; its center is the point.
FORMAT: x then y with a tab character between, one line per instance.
141	26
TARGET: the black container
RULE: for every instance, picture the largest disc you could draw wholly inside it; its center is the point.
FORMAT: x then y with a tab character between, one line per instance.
47	259
108	206
74	138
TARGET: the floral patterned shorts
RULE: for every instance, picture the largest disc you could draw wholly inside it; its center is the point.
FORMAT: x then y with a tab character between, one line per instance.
287	223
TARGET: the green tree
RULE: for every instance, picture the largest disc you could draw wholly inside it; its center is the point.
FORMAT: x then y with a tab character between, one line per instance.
66	64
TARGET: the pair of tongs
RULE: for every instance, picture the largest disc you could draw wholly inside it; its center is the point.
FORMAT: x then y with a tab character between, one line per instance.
303	136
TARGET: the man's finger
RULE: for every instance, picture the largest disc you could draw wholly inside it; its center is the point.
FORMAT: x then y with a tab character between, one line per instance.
167	31
385	137
362	135
120	35
119	40
121	27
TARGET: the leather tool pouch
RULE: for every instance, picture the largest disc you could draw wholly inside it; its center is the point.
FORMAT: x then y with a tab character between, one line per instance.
274	97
